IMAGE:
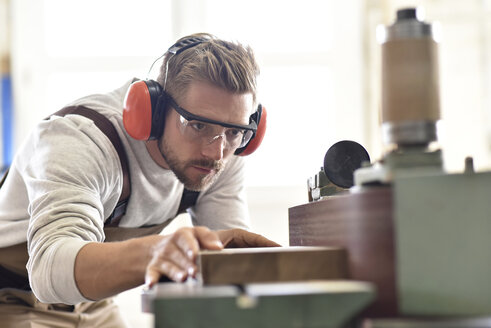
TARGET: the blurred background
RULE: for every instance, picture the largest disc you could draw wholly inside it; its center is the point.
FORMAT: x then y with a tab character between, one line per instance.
320	78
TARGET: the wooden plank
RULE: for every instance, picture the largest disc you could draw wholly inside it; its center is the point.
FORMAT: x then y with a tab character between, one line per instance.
271	264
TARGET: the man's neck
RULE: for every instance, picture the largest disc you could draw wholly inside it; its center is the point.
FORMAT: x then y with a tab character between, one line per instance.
154	151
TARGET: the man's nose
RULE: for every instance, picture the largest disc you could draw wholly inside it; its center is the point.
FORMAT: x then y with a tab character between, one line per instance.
214	148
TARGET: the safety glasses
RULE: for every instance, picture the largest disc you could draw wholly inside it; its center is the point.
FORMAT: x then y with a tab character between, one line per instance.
194	127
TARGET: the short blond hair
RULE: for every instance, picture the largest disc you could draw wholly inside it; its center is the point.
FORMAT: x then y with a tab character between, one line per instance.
227	65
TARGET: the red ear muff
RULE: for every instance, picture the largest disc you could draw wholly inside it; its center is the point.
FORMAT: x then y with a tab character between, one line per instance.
145	101
143	110
255	142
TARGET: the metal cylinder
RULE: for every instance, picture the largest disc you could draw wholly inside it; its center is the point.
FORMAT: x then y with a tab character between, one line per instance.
410	81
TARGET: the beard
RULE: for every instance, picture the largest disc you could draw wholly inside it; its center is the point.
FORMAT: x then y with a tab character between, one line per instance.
179	168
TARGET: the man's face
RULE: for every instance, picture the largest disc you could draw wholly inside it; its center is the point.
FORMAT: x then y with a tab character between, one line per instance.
197	161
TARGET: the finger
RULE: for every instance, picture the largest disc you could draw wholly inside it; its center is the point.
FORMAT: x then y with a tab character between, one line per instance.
255	240
173	252
191	240
151	278
187	242
158	268
243	238
175	256
208	239
169	259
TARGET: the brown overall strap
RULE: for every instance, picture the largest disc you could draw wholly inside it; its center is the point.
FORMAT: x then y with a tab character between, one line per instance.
109	130
13	272
188	198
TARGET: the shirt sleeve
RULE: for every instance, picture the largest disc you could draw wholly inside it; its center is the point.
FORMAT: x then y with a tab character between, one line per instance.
223	205
73	178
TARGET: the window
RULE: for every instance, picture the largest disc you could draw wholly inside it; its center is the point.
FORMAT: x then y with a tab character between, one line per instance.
319	62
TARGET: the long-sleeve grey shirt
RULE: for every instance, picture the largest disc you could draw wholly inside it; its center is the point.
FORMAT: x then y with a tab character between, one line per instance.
66	179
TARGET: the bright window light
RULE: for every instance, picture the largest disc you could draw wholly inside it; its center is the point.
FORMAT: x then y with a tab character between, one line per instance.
85	28
301	125
275	25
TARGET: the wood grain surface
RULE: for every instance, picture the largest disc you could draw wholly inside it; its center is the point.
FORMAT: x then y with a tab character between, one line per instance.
272	264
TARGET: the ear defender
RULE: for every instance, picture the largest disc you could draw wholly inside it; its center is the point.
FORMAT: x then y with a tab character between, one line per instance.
144	110
145	101
260	117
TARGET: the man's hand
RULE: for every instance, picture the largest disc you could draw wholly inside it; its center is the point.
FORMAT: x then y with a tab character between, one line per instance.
175	255
239	238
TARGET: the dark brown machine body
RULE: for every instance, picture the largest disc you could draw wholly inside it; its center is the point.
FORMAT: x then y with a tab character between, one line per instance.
361	222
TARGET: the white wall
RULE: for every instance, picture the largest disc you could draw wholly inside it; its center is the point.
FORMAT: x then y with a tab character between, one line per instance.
311	82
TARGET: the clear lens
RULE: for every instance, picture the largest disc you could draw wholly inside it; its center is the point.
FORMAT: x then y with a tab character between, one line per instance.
247	137
207	132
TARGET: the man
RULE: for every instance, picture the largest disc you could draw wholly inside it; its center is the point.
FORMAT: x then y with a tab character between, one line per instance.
66	179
